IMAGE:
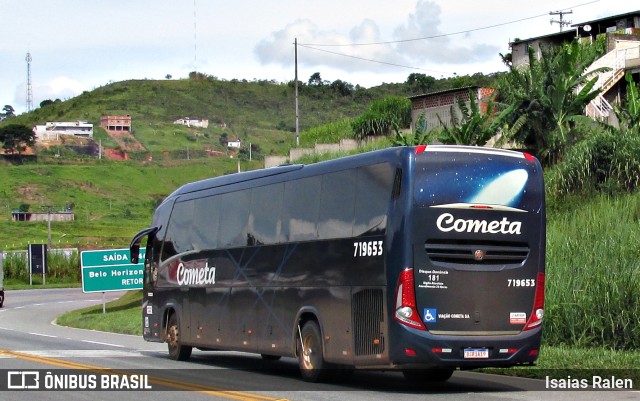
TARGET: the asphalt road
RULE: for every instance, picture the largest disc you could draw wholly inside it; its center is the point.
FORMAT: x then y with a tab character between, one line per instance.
30	342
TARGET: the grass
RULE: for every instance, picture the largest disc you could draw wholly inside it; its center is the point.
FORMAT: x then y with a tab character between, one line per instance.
563	361
13	284
593	272
123	315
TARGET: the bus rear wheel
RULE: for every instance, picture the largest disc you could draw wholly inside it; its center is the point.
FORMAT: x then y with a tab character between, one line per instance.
177	351
313	368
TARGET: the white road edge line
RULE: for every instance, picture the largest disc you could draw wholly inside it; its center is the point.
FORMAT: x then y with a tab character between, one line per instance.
42	335
100	343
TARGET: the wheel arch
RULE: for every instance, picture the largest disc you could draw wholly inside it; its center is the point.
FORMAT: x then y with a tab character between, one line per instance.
306	314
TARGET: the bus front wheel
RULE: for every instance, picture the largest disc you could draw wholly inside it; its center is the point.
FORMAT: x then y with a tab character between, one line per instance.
313	368
177	351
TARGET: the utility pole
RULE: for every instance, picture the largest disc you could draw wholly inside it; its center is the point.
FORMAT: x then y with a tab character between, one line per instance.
561	21
48	207
295	43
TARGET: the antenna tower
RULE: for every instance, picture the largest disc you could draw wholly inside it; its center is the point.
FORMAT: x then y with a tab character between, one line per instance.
195	39
560	22
29	86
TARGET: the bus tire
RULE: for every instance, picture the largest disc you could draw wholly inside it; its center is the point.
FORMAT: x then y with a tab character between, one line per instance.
312	366
177	351
427	375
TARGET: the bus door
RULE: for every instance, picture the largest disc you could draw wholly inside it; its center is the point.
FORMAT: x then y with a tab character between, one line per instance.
478	241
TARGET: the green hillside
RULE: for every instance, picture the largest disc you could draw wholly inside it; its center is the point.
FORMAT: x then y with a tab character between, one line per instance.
111	200
260	112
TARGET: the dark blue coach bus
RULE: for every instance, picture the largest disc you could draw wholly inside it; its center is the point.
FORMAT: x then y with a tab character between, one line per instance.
422	259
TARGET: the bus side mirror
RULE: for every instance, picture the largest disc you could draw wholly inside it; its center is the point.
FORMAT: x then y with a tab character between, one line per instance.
134	251
134	246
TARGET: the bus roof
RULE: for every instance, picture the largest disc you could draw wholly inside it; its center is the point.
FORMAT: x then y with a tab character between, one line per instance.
377	156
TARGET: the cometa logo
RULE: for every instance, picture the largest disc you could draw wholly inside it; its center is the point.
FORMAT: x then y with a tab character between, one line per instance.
446	222
196	276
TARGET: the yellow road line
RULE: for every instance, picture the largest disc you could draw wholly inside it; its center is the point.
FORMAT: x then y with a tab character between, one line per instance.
175	384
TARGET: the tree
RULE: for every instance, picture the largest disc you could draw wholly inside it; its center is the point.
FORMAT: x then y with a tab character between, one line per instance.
420	82
341	87
46	102
629	112
315	79
7	112
551	93
418	137
475	127
16	138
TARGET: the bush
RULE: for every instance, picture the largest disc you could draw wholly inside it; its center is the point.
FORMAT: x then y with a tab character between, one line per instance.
328	133
15	266
606	161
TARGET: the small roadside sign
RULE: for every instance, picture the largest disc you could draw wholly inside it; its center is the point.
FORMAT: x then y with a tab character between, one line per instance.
110	270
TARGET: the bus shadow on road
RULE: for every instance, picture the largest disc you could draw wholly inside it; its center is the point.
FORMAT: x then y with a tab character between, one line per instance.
250	372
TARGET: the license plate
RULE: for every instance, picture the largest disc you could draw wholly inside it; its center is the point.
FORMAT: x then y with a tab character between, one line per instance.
476	353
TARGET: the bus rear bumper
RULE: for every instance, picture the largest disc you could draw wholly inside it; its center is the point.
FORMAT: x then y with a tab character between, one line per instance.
423	349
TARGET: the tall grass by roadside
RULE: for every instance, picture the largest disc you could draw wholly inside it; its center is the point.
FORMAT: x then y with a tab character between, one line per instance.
593	273
605	161
328	133
60	268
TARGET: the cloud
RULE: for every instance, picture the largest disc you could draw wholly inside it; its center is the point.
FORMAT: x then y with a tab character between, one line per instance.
318	47
60	87
437	49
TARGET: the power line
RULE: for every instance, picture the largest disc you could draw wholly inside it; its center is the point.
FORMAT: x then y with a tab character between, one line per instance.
443	34
371	60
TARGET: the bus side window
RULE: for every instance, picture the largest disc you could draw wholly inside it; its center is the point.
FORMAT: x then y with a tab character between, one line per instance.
265	222
337	206
178	238
233	226
373	194
300	209
206	223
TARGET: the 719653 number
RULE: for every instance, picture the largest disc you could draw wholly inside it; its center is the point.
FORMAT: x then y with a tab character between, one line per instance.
367	248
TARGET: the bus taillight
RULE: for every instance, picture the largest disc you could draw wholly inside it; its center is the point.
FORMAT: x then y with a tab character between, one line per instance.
406	312
538	305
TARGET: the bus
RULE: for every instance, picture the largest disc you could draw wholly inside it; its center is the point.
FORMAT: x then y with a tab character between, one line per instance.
422	259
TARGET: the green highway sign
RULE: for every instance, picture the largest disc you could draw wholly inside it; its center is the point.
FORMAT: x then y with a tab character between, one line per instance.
110	270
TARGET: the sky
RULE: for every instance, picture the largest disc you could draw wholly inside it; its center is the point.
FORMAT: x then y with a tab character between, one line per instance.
80	45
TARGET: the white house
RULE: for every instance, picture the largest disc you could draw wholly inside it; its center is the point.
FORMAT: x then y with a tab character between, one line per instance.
190	122
52	130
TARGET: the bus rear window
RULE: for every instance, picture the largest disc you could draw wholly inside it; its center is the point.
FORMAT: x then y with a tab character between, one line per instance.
446	178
